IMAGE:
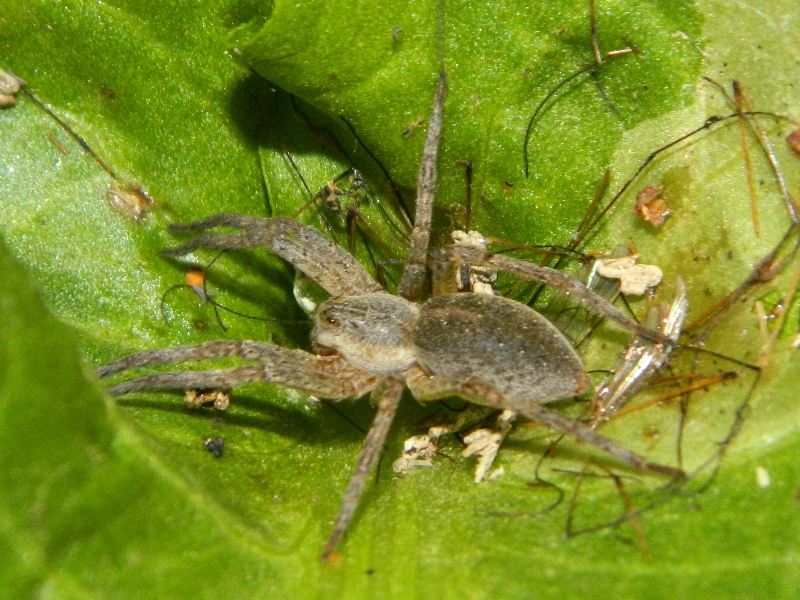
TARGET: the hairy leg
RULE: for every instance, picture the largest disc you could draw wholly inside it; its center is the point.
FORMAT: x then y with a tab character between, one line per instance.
304	247
413	285
326	376
387	395
424	387
478	257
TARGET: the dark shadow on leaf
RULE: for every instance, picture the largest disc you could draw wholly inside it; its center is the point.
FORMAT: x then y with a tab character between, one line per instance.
320	428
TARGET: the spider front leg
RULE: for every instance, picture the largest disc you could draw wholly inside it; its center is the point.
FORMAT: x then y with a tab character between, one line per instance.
326	376
304	247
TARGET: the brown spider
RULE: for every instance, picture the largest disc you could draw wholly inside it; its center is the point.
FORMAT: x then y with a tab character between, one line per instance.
488	349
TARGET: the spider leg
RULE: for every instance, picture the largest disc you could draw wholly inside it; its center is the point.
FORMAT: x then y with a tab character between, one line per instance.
217	379
387	394
413	284
325	376
304	247
553	277
424	387
178	354
559	422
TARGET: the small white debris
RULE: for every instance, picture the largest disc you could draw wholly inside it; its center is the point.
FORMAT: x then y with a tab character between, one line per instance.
419	450
796	341
762	478
482	280
485	443
9	87
306	304
478	280
498	472
196	399
436	432
471	238
634	279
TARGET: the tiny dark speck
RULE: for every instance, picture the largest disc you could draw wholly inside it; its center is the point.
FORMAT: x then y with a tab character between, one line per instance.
215	445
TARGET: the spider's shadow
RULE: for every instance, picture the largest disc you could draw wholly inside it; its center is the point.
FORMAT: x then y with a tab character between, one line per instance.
341	422
308	428
273	120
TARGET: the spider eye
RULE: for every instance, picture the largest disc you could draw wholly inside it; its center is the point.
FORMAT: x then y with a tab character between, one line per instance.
331	319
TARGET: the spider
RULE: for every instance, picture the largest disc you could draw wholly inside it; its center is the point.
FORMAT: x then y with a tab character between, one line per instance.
488	349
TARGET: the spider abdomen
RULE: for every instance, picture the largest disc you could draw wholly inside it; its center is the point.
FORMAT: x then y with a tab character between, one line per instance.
498	343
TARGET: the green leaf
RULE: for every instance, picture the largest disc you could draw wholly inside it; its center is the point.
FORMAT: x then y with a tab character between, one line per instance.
121	499
89	509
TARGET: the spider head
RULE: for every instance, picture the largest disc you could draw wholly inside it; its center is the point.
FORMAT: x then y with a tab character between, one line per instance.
373	331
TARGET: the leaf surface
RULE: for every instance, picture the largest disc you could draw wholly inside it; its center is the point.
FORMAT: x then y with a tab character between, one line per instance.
121	499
